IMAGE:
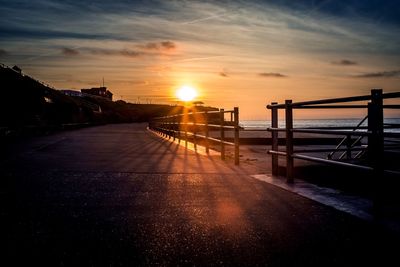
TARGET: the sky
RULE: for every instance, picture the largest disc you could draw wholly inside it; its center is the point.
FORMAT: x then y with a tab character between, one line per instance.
236	53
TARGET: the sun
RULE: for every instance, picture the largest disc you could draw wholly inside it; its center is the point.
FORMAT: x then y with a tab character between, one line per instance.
186	93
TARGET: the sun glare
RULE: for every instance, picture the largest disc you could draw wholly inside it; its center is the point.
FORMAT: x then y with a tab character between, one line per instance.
186	93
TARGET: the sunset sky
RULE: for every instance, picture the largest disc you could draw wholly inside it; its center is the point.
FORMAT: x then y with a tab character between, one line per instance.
236	53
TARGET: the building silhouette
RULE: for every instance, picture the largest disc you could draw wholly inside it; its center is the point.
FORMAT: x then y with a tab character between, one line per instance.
98	91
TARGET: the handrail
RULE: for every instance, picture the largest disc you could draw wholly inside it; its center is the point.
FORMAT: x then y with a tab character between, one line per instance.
194	123
375	145
330	132
335	100
330	155
194	113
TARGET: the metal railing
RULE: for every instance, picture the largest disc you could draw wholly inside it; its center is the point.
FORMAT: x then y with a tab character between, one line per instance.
374	132
349	143
196	126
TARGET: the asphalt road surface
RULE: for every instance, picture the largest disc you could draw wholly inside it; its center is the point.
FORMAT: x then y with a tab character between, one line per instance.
118	195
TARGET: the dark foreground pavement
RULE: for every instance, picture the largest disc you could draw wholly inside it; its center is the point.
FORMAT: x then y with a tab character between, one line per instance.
117	195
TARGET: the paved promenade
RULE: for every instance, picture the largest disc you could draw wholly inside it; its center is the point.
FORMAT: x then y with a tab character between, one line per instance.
117	195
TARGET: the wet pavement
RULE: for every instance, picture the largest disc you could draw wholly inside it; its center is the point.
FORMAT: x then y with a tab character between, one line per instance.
118	195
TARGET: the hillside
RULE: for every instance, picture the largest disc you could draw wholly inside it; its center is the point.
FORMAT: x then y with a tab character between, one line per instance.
26	102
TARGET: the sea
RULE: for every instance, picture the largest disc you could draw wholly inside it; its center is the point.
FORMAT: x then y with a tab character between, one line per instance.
310	123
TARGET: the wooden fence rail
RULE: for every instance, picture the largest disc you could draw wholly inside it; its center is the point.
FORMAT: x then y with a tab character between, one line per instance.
197	126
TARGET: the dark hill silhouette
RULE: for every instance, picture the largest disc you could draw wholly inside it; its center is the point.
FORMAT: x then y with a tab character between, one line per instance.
30	104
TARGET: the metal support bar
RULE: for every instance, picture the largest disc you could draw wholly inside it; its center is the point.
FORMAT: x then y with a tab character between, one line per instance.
332	162
348	146
279	153
331	132
331	107
314	150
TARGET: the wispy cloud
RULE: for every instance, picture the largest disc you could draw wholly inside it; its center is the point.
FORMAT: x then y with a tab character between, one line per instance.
199	58
344	62
223	74
165	45
168	45
382	74
148	49
69	51
203	19
129	53
115	52
272	74
3	52
18	33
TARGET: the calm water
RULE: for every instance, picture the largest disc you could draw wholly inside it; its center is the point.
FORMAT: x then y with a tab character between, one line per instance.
303	123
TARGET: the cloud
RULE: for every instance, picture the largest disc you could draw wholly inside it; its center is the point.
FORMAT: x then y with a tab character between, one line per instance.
272	74
203	19
344	62
223	73
130	53
112	52
165	45
199	58
106	52
3	52
69	51
382	74
150	46
168	45
26	33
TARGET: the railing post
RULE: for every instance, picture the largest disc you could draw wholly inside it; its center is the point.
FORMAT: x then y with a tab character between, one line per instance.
169	132
236	123
194	130
222	130
207	145
165	126
178	127
174	127
376	142
185	121
289	140
274	137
